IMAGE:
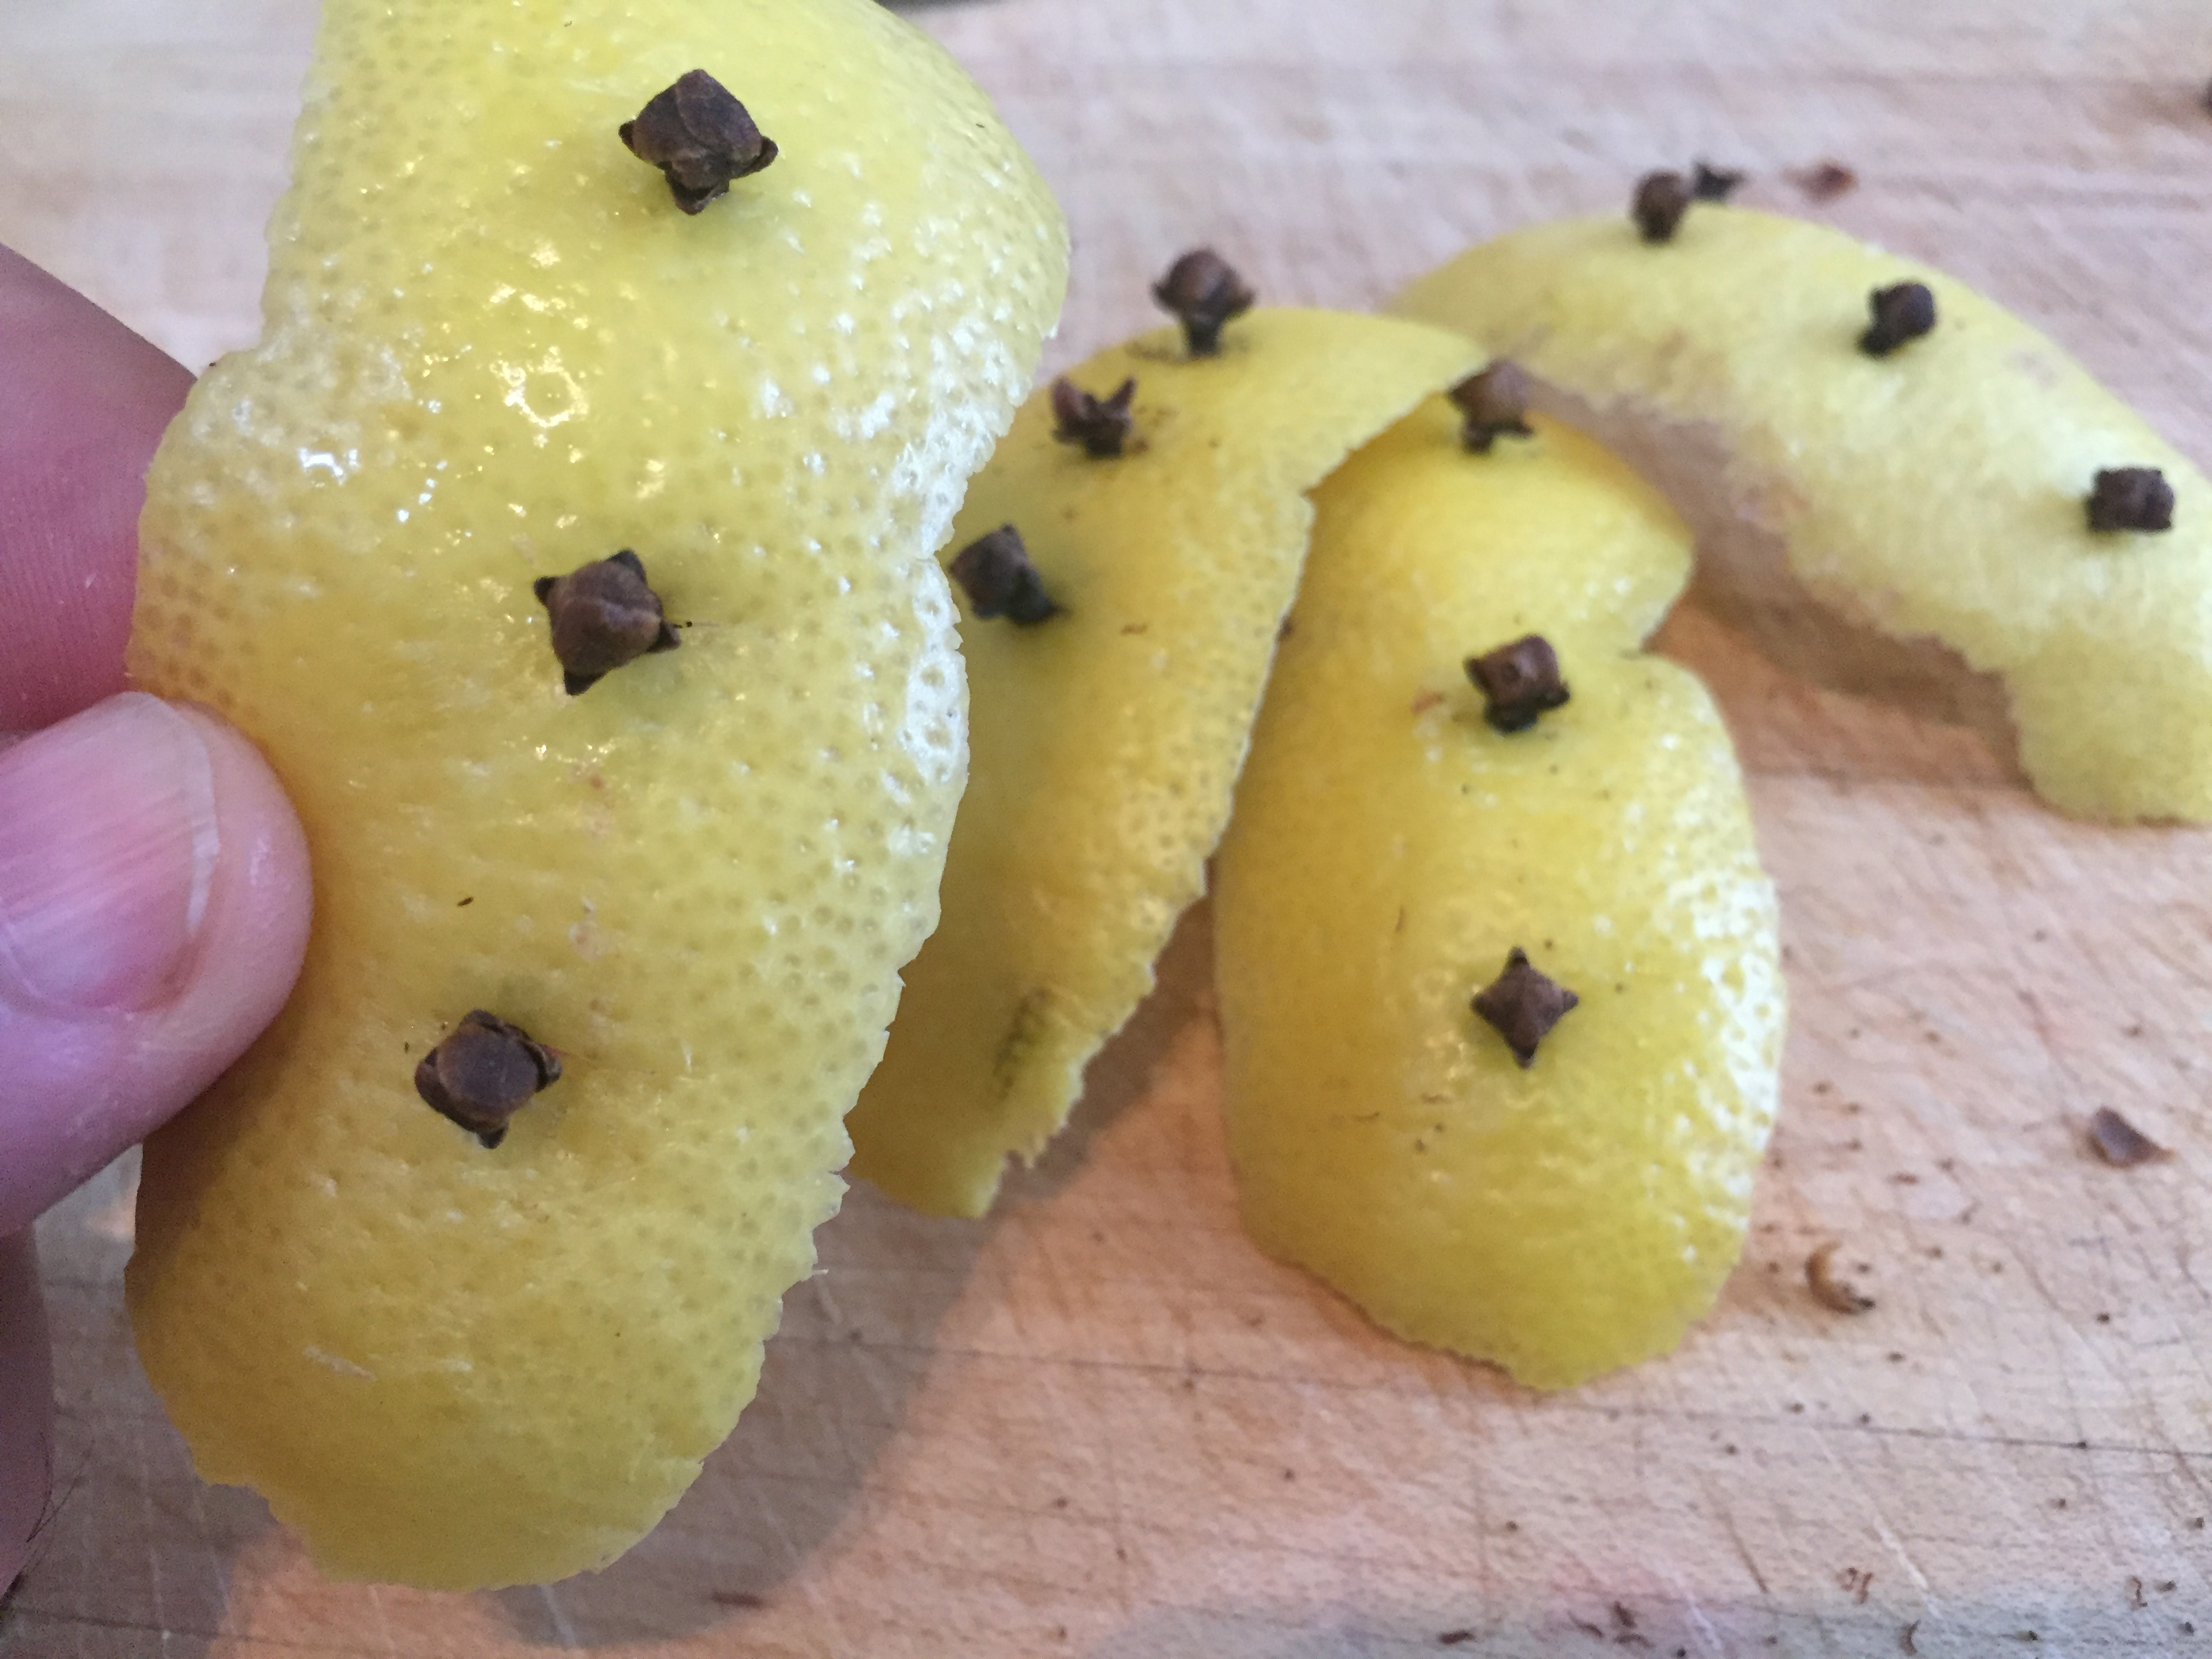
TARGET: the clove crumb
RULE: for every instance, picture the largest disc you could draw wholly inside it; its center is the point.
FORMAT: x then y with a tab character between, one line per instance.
1495	404
1522	1005
1518	682
603	614
736	1599
1452	1638
995	572
2119	1143
1905	1638
1204	292
1100	425
1902	314
1824	181
2135	1592
1712	184
700	137
1836	1294
2131	498
483	1073
1661	200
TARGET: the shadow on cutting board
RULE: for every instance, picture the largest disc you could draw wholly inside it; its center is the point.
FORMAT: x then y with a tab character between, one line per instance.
854	1347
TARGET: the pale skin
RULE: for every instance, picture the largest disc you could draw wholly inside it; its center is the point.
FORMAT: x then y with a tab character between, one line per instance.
154	891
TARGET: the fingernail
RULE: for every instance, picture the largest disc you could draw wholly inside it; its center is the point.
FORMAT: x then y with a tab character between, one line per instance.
108	851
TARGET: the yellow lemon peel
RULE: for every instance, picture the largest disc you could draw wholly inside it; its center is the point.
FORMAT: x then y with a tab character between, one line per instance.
496	350
1938	490
1107	738
1389	850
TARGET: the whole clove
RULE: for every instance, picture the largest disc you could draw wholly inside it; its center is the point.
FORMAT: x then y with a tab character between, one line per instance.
995	572
1824	181
700	137
1522	1005
484	1071
603	614
1712	184
2119	1143
1518	682
1100	425
1838	1295
1661	200
1204	292
2131	498
1901	314
1495	404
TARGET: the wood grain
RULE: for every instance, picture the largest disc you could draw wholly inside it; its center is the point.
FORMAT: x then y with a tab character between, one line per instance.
1099	1423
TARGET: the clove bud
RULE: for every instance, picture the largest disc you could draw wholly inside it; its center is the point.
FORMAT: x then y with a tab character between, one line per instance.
1518	682
1100	425
1204	291
1495	404
1901	314
700	137
1522	1005
1711	184
995	572
483	1073
603	616
2131	498
1661	199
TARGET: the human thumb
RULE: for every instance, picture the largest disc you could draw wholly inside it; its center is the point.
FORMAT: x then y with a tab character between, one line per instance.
153	903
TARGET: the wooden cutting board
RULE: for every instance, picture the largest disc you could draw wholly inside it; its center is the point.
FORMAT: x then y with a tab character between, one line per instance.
1099	1423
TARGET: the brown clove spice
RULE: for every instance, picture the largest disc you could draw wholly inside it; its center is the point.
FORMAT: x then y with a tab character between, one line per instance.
1901	314
603	616
1661	200
1518	682
1100	425
1522	1005
1495	404
2131	498
1712	184
995	572
700	137
1830	1292
483	1073
2119	1143
1204	291
1824	181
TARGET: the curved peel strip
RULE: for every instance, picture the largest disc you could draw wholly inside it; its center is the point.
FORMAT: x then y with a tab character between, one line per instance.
1938	490
496	350
1389	849
1107	740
